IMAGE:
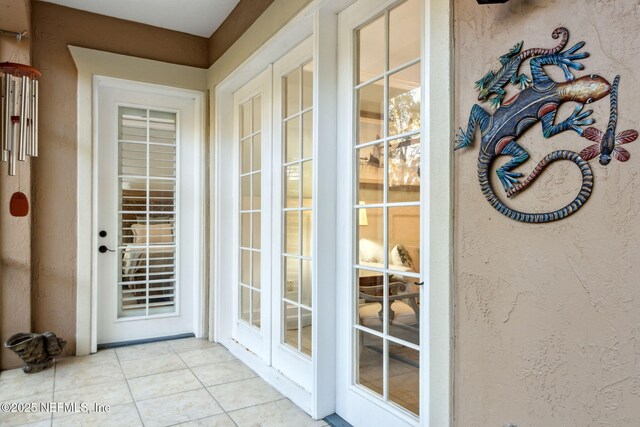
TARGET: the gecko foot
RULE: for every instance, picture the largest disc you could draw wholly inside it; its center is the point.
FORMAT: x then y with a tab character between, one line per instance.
508	179
461	140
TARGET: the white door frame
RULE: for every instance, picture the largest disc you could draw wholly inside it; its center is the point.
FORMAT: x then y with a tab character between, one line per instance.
91	62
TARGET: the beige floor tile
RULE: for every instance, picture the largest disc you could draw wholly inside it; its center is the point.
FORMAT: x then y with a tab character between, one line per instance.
244	393
19	418
187	344
144	351
177	408
103	356
11	374
206	356
22	385
87	375
117	416
281	413
113	393
163	384
152	365
43	423
223	372
215	421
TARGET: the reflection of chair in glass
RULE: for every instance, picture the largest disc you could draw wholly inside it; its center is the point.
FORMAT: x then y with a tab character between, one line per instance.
403	308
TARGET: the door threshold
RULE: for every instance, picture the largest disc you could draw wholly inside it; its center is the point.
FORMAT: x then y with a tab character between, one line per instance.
335	420
143	341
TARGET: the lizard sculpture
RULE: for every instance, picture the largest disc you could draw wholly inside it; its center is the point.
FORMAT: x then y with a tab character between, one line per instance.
493	82
607	144
539	102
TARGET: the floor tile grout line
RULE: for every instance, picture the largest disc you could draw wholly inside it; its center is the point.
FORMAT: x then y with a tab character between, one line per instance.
210	394
135	404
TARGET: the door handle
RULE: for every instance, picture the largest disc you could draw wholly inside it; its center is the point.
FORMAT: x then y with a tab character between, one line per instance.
419	283
102	249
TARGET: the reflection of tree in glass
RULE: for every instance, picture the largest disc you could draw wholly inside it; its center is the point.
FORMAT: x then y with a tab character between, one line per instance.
404	112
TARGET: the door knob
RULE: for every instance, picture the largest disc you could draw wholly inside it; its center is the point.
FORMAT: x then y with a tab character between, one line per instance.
102	249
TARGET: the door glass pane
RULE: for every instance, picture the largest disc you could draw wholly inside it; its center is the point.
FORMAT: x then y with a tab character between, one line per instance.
292	93
370	57
250	210
297	216
404	46
370	354
387	152
147	183
404	101
404	374
371	174
245	303
305	331
290	322
371	111
404	170
292	139
292	274
292	185
370	241
307	85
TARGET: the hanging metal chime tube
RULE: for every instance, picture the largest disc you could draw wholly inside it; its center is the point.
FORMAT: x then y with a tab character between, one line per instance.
18	113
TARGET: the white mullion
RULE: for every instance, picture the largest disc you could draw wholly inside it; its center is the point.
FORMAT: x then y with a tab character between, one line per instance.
385	295
147	214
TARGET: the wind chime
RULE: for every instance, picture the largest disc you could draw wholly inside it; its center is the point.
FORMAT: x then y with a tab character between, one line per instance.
18	112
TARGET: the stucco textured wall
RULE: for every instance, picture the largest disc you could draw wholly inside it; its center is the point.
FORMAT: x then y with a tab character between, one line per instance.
547	317
15	233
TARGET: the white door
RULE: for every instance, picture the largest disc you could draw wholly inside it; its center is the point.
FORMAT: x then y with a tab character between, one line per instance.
293	219
147	197
250	180
381	255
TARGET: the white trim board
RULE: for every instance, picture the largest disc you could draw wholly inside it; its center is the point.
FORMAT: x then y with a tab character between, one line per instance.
89	63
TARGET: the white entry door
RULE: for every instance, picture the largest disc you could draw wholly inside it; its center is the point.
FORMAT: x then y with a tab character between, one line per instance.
382	257
148	203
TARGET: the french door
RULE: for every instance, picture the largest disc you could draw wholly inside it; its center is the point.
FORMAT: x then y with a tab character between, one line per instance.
380	144
252	175
273	115
147	200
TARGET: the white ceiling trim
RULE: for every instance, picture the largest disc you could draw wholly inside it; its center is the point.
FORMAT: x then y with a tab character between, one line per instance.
198	17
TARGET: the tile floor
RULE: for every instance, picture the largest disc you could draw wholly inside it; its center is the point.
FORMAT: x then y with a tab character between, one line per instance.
186	382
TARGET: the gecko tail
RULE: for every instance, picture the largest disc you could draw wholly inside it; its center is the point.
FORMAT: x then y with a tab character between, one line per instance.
585	189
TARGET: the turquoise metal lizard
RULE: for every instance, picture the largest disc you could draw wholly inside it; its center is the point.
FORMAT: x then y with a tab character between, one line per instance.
494	82
539	102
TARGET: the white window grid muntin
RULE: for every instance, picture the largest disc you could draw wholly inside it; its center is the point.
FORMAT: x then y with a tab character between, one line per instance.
175	220
301	209
385	205
251	250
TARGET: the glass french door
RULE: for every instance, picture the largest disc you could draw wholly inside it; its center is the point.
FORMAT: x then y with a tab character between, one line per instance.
252	323
293	279
381	44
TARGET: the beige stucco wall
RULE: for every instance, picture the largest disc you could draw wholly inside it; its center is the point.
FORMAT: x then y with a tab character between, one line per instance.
547	317
15	233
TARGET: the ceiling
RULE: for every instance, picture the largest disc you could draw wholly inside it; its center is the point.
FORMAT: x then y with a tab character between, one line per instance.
199	17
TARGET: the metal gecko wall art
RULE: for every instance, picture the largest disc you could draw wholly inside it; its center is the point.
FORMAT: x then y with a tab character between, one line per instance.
539	100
